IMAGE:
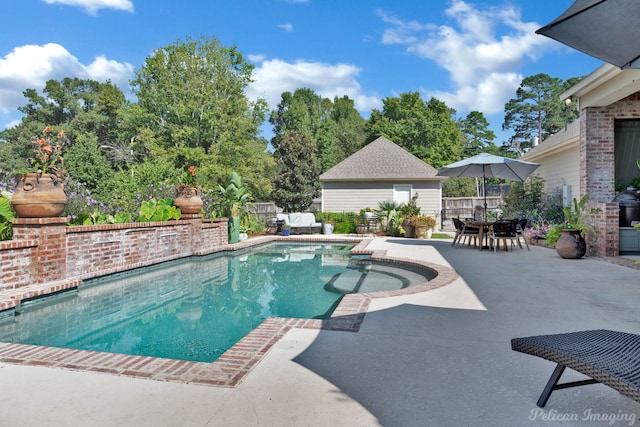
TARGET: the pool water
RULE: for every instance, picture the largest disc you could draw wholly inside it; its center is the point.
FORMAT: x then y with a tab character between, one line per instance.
198	308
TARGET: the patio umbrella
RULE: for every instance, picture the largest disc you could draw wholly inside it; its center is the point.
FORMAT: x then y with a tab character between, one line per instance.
605	29
484	165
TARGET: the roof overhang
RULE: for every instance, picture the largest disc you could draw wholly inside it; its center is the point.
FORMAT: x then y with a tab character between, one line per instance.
389	179
604	86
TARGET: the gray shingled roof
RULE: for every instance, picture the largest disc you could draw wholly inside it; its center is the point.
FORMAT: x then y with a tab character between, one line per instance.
381	160
563	137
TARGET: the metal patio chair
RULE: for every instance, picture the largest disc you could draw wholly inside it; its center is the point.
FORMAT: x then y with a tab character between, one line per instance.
463	232
504	230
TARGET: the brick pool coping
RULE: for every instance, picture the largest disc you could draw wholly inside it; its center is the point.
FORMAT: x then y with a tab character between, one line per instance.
230	368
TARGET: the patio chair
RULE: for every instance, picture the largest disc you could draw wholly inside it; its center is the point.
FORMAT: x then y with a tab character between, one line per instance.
521	224
463	232
504	230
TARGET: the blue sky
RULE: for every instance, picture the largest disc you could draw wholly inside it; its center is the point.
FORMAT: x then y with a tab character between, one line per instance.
470	54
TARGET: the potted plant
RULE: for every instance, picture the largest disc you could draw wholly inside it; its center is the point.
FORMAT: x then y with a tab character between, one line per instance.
244	233
40	193
569	237
236	200
423	225
408	210
367	213
328	227
188	198
286	229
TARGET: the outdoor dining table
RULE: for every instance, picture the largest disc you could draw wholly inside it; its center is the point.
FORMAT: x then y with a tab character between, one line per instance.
483	231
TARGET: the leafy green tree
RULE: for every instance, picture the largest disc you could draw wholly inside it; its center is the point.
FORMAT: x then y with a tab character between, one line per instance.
301	111
459	187
296	183
192	109
348	135
336	128
425	129
537	109
90	166
81	107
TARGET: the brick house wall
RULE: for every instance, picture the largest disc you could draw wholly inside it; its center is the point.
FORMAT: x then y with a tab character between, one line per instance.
597	167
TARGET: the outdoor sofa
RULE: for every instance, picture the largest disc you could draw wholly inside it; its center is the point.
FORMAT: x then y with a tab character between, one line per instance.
301	222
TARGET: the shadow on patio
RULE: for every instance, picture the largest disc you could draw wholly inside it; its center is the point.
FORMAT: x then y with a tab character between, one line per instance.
423	365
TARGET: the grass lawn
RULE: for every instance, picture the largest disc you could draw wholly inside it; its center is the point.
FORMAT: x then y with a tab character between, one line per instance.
440	236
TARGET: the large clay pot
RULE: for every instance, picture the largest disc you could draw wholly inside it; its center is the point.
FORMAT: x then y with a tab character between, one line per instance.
571	244
421	231
409	230
188	200
39	196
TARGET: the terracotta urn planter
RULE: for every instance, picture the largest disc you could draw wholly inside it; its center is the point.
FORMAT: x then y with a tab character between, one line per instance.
571	244
409	230
39	196
188	200
421	231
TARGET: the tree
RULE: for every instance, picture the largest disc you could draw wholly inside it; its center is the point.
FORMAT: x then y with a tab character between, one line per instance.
537	109
296	184
336	128
349	135
477	135
460	187
84	108
193	110
425	129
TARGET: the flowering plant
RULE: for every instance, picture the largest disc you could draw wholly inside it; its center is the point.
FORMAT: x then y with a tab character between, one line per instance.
190	176
48	151
188	181
422	220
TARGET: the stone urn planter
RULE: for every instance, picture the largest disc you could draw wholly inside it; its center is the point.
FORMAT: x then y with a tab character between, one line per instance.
409	230
571	244
39	196
188	200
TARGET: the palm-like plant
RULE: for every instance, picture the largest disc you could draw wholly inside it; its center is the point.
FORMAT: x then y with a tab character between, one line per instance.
390	216
6	217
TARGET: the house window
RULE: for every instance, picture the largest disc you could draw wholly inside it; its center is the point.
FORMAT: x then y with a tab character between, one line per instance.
401	193
626	151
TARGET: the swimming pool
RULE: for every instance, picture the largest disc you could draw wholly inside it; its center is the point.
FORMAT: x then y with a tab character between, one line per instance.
198	308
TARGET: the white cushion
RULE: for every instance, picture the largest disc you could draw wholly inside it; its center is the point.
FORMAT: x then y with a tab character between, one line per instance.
283	217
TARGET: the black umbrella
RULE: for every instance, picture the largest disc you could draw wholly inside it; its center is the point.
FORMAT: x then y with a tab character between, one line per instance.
605	29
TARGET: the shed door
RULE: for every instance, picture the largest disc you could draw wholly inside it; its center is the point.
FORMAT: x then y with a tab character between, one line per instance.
401	193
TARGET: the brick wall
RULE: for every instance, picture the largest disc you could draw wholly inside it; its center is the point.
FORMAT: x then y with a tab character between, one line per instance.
597	166
47	250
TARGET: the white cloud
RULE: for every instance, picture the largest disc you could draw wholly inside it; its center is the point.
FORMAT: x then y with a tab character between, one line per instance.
103	69
482	52
92	6
273	77
30	66
286	27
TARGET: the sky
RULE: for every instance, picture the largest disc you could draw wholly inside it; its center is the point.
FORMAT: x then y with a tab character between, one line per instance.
470	54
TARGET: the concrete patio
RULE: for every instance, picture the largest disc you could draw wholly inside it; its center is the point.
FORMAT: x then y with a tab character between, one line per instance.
438	358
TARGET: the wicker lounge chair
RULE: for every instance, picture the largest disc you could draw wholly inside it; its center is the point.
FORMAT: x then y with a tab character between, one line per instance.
608	357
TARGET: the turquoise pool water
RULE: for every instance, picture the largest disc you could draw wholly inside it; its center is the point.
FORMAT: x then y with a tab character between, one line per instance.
198	308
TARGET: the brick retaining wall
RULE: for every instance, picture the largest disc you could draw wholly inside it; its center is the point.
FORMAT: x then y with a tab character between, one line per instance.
46	250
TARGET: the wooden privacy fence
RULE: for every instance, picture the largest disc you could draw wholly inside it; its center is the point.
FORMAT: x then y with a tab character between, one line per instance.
454	207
